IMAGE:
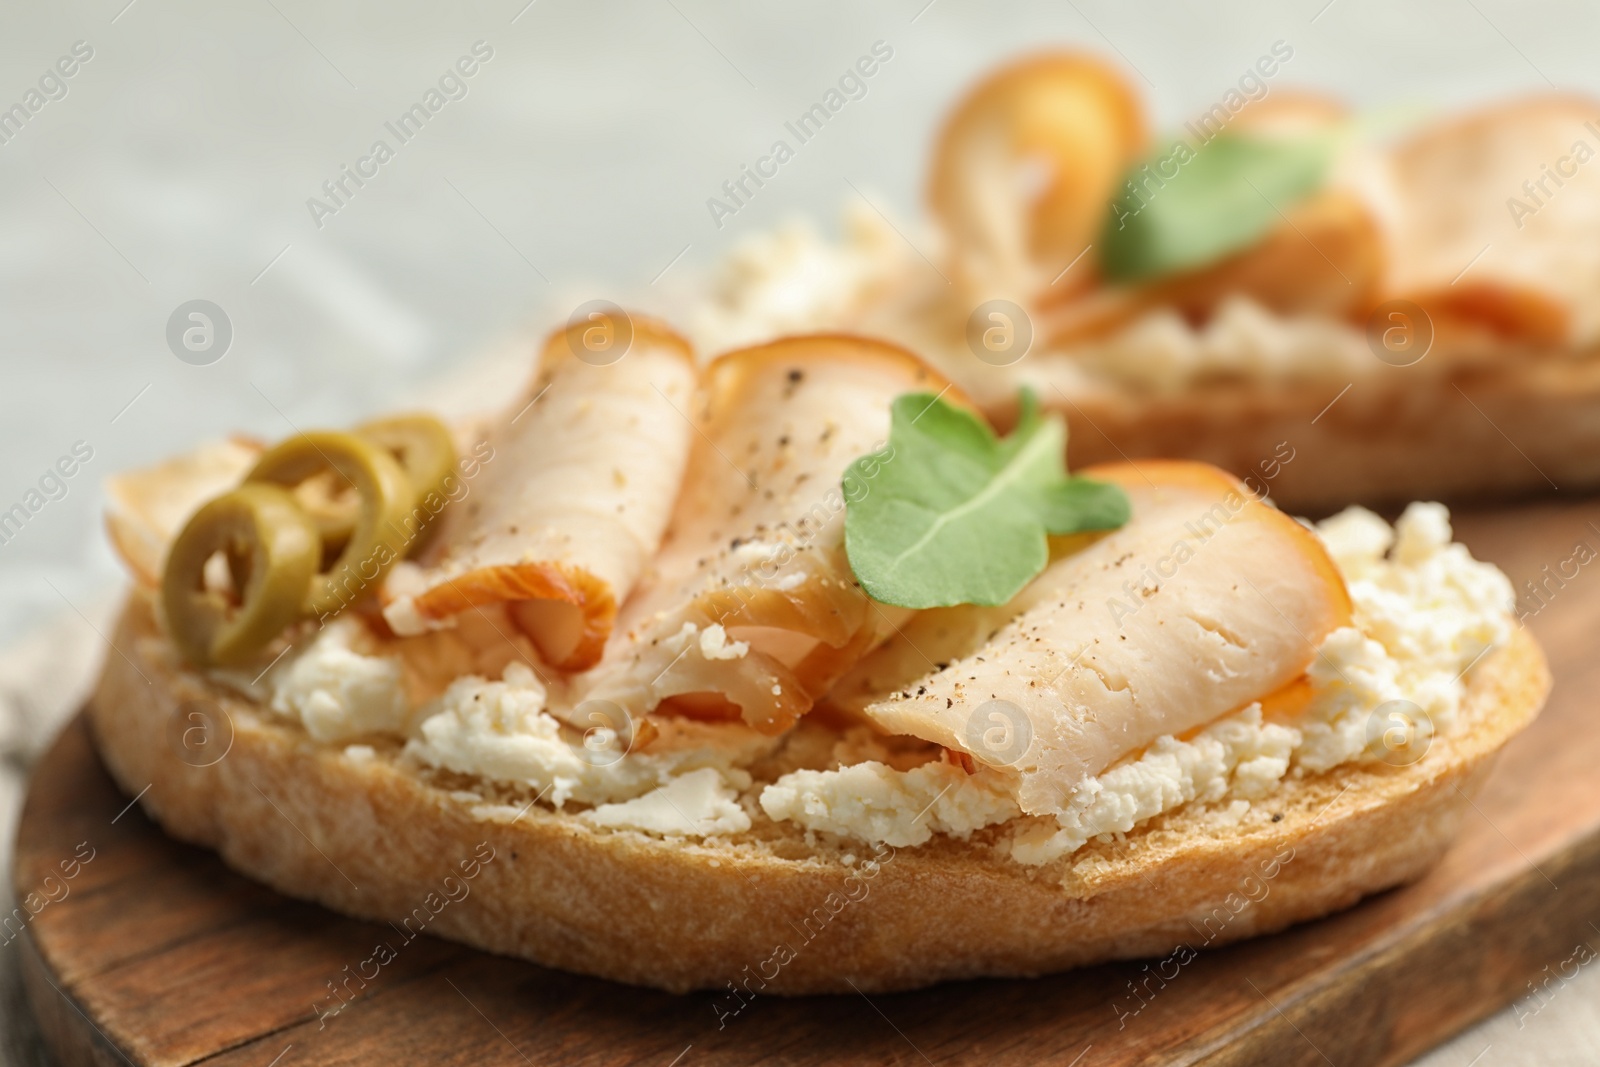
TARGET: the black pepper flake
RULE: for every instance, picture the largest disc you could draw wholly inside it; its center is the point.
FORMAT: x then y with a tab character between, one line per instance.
1277	816
796	374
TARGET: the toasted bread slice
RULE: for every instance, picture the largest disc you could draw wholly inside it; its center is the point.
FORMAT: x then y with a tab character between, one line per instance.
771	910
1515	428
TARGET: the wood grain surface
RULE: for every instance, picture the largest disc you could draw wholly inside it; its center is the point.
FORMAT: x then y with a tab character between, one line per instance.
154	953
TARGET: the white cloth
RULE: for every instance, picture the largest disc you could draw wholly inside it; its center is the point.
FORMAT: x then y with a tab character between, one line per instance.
43	681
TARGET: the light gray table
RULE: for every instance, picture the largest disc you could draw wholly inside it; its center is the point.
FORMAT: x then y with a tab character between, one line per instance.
179	161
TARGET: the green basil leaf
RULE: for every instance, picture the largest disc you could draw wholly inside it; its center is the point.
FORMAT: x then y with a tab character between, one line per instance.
1079	504
947	513
1188	207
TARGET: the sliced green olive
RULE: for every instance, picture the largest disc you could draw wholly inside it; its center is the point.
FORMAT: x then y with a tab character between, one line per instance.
272	550
421	443
383	527
426	452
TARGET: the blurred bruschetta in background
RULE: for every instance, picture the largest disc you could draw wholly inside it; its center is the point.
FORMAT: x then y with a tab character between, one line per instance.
1269	287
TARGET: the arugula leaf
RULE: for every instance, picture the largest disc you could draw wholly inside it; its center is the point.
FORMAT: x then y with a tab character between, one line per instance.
947	513
1224	196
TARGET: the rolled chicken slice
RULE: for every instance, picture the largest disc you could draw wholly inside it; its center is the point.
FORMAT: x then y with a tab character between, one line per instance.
1326	257
573	501
1498	221
1207	600
1025	167
752	609
931	640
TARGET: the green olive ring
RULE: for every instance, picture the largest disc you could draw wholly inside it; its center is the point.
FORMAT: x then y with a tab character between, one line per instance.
421	443
426	452
272	550
379	536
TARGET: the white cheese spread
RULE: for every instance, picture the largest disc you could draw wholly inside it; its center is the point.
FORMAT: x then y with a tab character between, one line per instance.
875	802
338	693
1425	612
500	731
793	280
697	804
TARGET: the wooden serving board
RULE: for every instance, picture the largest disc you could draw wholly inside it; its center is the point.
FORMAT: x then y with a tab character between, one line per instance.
158	954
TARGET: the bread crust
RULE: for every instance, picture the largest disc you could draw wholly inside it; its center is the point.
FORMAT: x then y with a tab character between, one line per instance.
372	839
1514	428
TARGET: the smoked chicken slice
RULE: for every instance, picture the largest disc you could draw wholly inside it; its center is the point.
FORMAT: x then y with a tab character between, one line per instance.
752	609
1208	599
1497	221
571	505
